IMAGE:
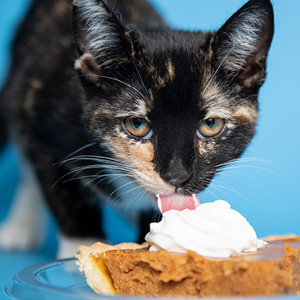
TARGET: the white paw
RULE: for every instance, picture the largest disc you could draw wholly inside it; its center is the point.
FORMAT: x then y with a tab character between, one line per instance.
25	225
68	246
16	236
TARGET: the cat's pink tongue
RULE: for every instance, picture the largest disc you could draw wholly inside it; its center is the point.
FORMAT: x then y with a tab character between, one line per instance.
177	202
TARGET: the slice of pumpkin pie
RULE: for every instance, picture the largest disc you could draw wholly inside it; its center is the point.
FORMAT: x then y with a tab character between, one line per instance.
208	251
131	269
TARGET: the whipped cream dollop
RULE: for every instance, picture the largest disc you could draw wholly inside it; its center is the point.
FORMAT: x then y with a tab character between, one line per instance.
212	229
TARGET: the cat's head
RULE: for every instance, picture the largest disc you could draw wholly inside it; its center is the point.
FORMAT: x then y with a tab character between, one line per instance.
173	105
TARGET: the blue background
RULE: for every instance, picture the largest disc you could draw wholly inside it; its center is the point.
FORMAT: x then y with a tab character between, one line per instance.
264	187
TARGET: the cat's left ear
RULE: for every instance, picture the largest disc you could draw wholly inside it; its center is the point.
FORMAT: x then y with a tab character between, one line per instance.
102	41
242	44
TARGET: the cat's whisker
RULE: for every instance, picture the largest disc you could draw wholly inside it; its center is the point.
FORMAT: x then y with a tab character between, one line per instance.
95	158
109	176
220	190
228	173
213	195
111	164
156	215
212	185
230	167
241	160
217	70
81	149
99	166
102	162
75	171
140	194
247	159
117	176
91	177
125	193
59	180
253	167
120	187
120	196
219	182
139	75
240	163
97	177
114	79
229	189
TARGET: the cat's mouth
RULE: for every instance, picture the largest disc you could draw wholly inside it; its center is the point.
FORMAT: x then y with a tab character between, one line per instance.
177	202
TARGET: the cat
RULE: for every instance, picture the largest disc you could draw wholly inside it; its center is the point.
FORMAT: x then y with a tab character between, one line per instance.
98	89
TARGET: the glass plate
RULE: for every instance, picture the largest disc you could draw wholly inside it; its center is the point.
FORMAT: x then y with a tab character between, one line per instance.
62	280
57	280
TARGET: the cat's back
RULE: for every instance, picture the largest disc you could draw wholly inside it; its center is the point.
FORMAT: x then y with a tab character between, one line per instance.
42	47
42	81
46	32
46	28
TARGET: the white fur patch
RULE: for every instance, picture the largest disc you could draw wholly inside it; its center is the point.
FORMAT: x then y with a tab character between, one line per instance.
101	34
215	101
242	40
24	227
67	246
247	112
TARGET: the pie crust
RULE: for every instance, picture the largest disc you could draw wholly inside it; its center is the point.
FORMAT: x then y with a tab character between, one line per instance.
131	269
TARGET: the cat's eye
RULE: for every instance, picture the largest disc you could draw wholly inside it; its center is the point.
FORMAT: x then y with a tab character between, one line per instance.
138	127
210	127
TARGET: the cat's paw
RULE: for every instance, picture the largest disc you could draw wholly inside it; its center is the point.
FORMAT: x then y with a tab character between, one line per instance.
17	236
68	245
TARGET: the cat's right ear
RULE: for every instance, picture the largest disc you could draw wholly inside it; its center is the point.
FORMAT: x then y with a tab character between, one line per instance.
101	39
242	44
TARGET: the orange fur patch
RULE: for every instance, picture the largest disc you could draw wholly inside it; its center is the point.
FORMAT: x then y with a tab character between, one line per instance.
245	114
170	70
205	147
34	86
61	9
140	157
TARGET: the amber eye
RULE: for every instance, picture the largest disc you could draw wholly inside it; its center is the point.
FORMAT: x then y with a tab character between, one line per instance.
138	127
210	127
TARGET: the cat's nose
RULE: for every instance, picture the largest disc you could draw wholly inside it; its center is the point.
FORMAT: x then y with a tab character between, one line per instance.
177	179
176	173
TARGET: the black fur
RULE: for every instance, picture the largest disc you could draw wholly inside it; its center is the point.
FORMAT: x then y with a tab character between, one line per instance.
3	135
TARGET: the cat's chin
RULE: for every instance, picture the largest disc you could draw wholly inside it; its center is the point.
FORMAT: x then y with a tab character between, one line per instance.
177	201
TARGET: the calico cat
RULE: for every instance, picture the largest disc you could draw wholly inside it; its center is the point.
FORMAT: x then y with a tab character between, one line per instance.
122	93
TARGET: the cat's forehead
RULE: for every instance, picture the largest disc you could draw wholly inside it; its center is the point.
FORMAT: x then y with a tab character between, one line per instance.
183	81
175	77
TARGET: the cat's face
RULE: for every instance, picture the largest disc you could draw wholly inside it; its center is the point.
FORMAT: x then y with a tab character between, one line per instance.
173	106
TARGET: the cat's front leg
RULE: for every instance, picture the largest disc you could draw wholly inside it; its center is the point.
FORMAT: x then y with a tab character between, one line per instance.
74	204
24	228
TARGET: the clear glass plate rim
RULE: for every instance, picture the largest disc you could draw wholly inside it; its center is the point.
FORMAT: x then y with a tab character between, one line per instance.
26	280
